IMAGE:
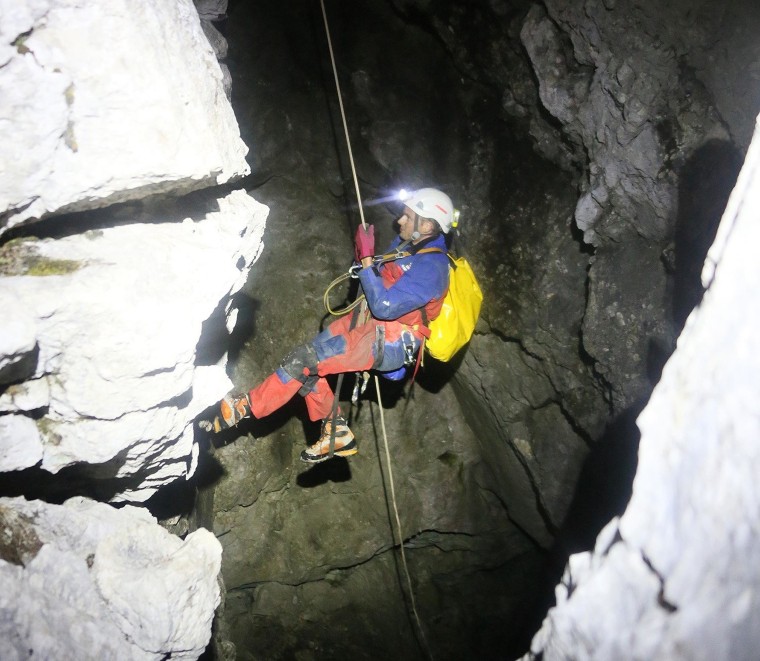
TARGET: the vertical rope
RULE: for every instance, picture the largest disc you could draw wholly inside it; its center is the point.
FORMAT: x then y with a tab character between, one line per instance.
398	524
377	382
343	115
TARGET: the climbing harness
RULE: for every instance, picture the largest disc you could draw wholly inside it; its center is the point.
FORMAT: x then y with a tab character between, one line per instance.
377	381
453	327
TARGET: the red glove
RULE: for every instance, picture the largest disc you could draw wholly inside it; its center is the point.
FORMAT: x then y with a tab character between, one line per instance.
364	242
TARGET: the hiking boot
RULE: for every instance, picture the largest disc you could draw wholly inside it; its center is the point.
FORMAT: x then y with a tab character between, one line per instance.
345	443
232	409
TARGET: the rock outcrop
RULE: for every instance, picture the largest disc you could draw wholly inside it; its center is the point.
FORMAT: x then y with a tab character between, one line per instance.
119	290
86	580
676	576
634	90
100	357
108	102
101	365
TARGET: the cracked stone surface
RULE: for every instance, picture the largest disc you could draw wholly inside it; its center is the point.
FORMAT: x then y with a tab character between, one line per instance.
77	137
116	376
676	576
86	580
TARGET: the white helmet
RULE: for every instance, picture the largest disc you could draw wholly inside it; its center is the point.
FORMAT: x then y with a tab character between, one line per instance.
434	204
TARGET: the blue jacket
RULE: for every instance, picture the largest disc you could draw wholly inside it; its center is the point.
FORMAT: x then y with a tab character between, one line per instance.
397	289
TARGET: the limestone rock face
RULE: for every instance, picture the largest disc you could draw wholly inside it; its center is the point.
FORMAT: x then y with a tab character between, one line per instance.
116	323
211	10
676	577
107	325
85	580
636	89
109	101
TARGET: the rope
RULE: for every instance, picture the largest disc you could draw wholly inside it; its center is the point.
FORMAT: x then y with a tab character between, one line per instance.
326	297
378	260
343	114
377	381
398	522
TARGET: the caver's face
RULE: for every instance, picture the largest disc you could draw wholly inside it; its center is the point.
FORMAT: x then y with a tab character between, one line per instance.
406	225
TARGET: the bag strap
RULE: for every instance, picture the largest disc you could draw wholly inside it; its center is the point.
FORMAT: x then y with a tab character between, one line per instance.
448	254
400	254
390	257
425	319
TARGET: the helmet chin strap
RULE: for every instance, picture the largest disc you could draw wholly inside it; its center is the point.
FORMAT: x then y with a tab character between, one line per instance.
416	234
416	231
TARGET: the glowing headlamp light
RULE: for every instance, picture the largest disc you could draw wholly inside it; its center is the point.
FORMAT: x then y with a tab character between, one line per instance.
404	195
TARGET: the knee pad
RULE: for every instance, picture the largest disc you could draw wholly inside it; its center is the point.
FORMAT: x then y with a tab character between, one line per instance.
309	384
301	363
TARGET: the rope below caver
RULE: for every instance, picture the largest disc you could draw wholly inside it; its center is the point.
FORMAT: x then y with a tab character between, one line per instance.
377	380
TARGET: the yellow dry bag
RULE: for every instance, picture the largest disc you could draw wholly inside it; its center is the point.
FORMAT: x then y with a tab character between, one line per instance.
453	327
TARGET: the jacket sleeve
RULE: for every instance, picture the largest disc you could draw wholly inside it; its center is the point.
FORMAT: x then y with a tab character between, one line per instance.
428	278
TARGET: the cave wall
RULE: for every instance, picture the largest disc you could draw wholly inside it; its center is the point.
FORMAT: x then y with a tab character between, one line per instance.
625	99
675	577
572	137
630	94
121	255
299	544
101	363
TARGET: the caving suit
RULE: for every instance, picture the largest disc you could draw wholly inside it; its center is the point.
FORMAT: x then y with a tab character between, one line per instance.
396	293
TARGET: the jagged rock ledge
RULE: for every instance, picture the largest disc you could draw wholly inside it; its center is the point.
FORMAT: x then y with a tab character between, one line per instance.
676	576
118	275
87	580
100	352
108	102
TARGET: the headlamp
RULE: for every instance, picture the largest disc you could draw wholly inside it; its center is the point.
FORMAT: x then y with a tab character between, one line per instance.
404	195
455	218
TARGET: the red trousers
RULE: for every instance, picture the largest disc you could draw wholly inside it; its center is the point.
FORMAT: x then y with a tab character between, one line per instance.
337	349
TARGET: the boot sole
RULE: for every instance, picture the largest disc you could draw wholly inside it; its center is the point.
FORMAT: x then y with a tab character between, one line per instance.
347	451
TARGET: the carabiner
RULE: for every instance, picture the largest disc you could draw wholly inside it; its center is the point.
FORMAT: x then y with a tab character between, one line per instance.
359	386
407	341
353	272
